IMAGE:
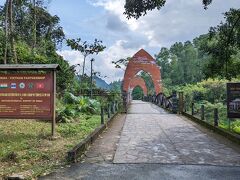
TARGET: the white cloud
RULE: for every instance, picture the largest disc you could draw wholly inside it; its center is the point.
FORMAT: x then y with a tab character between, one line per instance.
103	61
74	57
179	20
116	7
176	21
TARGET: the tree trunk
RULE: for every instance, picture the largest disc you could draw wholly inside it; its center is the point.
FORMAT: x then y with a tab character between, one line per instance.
6	32
12	40
84	60
34	27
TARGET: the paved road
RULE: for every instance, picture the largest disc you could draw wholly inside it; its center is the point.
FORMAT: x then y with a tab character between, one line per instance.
150	135
149	143
106	171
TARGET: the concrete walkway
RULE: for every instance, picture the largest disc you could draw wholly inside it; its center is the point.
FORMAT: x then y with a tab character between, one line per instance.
150	135
149	143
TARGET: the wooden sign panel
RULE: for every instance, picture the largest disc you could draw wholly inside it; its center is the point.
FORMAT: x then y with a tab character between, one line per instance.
26	96
233	100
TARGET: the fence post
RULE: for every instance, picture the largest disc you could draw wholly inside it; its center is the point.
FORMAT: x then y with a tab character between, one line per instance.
202	112
109	111
216	117
112	107
102	115
181	102
192	108
116	106
174	102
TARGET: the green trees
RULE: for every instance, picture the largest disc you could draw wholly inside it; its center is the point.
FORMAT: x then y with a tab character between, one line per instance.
9	32
138	8
212	55
30	34
179	64
224	47
148	80
202	68
85	48
43	35
137	93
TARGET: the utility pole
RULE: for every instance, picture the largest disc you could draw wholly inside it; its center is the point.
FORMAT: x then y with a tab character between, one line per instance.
78	72
91	76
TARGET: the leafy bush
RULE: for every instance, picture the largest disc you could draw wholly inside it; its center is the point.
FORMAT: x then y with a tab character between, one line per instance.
236	126
212	94
69	98
75	105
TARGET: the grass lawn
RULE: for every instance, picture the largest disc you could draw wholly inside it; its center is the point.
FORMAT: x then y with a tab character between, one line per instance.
25	145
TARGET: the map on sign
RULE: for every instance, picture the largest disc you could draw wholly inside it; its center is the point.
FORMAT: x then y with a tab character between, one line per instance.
26	95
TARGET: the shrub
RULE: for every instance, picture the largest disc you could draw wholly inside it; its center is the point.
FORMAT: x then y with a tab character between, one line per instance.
74	106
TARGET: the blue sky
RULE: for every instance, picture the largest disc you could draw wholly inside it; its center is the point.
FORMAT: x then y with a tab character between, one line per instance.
178	20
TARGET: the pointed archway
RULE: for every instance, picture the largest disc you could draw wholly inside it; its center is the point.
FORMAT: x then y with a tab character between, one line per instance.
138	81
141	61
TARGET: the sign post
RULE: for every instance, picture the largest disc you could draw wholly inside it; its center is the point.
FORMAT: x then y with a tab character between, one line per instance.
54	102
28	92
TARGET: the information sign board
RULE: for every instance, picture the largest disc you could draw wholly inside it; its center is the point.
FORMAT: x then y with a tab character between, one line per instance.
233	100
26	96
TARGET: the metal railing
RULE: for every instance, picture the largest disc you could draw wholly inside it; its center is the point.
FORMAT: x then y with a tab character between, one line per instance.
213	114
166	102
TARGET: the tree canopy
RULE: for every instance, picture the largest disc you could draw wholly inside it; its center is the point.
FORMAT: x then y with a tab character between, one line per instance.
212	55
37	35
86	48
224	46
138	8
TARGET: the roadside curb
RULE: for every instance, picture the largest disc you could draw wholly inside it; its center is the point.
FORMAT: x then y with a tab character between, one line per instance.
80	148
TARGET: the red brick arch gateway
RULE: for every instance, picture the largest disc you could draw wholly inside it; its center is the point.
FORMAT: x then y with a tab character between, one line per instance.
138	81
141	61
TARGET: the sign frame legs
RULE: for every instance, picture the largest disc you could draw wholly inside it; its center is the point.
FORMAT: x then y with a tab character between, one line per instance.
54	105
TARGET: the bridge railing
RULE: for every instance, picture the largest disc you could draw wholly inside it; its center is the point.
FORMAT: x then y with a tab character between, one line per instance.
213	114
214	117
166	102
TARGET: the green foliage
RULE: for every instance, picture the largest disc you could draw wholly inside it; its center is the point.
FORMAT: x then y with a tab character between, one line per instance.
224	45
137	93
212	94
212	90
180	64
85	48
138	8
32	150
212	55
236	126
121	63
74	106
49	35
69	129
149	82
47	26
116	86
84	125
